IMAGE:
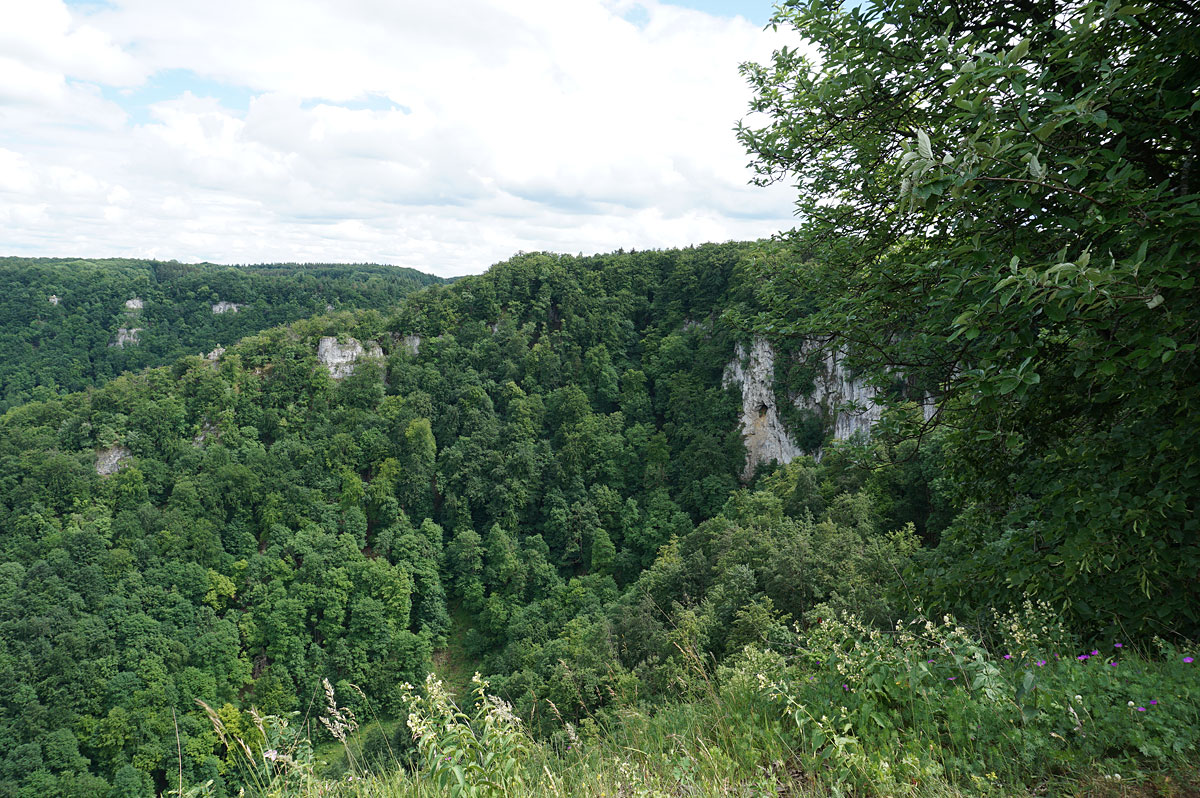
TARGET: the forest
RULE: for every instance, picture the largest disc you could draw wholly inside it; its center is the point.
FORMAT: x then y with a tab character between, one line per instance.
61	319
273	569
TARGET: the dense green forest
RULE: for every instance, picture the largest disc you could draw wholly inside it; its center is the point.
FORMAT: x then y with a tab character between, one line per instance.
302	528
61	319
229	572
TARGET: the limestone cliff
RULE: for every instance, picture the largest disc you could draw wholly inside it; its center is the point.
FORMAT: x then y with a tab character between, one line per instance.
762	429
340	358
126	336
226	307
846	404
109	461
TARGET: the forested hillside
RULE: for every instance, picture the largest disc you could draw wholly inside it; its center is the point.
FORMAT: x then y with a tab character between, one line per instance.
540	468
975	574
66	324
235	529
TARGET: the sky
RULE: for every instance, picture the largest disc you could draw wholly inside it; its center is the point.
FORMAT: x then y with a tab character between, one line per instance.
445	136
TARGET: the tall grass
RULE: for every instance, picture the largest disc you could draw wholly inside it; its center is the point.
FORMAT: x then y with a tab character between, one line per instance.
842	710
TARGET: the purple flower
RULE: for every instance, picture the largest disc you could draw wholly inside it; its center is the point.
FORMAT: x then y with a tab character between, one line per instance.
1188	660
1082	657
1112	664
1154	702
952	678
845	687
1141	709
1041	663
931	661
1118	645
1008	656
1095	652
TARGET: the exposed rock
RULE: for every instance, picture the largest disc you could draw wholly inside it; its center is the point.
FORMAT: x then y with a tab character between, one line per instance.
494	326
110	460
53	299
133	304
227	307
126	336
412	343
215	354
207	430
836	395
340	358
763	431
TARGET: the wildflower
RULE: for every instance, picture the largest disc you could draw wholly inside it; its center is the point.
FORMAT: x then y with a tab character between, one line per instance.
1141	709
1153	702
1129	704
1112	664
1008	656
952	678
1041	663
1079	698
1083	657
1187	660
1095	652
1118	645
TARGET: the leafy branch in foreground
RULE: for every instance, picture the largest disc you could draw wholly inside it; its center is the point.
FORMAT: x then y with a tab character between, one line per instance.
999	204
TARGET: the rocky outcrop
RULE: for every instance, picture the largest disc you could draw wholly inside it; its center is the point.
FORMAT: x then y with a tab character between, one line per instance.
226	307
126	336
53	299
411	343
837	395
340	358
847	404
766	439
215	355
111	460
134	304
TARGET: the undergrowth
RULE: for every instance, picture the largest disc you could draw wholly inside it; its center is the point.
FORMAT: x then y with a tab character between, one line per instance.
840	710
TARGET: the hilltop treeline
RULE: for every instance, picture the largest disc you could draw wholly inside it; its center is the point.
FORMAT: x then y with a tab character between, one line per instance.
60	319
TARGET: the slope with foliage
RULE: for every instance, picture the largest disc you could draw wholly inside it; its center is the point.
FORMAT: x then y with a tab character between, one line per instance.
271	527
999	204
59	318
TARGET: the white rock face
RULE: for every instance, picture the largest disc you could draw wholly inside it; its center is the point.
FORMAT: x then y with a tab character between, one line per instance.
834	389
110	460
836	393
340	358
413	344
53	299
763	431
127	336
215	354
226	307
133	304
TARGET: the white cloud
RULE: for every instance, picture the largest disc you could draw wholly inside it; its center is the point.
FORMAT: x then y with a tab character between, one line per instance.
439	136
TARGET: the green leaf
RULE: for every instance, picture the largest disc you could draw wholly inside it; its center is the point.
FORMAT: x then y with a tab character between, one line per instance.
923	145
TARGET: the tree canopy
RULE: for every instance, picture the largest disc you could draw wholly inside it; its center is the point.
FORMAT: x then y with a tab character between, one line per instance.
998	205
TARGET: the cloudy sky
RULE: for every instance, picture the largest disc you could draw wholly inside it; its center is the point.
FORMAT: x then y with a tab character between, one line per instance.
445	136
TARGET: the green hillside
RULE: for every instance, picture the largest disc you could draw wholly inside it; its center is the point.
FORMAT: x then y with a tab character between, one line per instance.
547	453
903	502
61	319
